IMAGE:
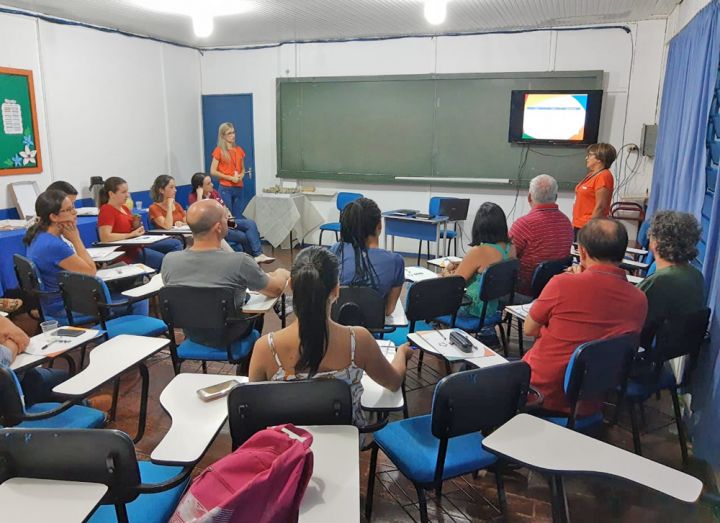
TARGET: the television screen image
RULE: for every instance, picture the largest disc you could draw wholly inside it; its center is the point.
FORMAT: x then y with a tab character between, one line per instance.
555	117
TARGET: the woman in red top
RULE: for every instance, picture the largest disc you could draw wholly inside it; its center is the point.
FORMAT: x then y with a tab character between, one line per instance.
228	165
116	222
594	193
165	213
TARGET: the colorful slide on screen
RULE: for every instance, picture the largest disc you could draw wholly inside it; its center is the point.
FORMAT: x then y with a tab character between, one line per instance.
554	117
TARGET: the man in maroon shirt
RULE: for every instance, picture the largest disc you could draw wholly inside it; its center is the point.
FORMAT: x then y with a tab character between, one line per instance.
593	301
543	234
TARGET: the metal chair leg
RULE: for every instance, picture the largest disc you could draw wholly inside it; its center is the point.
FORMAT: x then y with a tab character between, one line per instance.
635	429
371	482
321	233
422	501
500	482
204	366
680	426
116	393
419	252
420	362
559	500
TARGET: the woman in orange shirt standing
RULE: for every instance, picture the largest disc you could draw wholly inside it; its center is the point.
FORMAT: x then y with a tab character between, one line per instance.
228	165
593	194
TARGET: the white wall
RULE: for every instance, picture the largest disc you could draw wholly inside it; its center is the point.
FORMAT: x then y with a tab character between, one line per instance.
632	63
108	105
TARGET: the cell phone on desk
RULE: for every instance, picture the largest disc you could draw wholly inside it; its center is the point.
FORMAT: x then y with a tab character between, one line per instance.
216	391
70	332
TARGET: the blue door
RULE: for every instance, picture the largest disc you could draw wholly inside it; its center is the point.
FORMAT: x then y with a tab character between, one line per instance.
238	110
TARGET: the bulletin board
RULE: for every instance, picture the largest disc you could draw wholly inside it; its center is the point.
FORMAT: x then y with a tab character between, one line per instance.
19	136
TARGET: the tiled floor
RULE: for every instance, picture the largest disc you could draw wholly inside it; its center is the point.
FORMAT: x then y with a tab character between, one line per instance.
464	499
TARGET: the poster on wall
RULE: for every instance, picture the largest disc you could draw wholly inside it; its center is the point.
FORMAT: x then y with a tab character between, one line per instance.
19	144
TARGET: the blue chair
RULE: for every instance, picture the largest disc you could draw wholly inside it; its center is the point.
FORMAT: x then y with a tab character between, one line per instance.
138	491
343	198
31	284
434	210
88	296
448	442
595	369
682	335
209	309
498	282
48	415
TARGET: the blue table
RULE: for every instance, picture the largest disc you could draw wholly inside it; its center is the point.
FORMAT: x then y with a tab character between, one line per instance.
424	229
11	243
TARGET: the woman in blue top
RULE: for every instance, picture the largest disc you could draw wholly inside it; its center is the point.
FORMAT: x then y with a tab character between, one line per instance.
490	244
362	262
56	219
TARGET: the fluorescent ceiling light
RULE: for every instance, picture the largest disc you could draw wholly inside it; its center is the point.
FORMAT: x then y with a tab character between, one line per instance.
435	11
202	12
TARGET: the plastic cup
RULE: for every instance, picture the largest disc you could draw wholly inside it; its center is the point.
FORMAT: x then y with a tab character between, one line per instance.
49	326
138	205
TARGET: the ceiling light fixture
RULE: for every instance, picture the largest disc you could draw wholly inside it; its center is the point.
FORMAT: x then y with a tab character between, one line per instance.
202	12
435	11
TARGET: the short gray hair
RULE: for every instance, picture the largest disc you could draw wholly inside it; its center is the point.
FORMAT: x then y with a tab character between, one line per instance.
543	189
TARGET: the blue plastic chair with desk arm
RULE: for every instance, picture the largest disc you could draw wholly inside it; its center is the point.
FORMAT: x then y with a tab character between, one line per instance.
209	309
343	198
137	491
680	336
435	208
50	415
596	369
447	443
498	281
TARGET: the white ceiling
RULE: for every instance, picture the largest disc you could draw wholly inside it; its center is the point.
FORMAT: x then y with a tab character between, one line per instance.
273	21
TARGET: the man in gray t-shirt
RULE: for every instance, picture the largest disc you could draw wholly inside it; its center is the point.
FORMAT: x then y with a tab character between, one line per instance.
205	264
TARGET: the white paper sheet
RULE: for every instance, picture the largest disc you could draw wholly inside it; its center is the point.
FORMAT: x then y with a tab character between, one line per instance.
87	211
141	240
444	261
438	341
43	345
125	271
415	274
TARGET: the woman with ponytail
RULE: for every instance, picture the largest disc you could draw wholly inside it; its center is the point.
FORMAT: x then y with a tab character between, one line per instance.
315	346
116	222
362	262
56	219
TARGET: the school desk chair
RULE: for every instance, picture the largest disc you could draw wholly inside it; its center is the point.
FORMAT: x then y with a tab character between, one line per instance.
343	198
447	443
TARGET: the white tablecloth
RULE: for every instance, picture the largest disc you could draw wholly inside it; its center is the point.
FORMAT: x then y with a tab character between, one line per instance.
278	214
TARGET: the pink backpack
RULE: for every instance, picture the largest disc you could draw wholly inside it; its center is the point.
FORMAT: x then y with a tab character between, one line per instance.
264	480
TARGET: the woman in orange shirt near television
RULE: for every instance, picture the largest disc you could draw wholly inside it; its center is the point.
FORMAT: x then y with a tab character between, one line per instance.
593	194
228	165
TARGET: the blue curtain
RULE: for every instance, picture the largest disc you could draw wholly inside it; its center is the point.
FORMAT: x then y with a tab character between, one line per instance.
681	182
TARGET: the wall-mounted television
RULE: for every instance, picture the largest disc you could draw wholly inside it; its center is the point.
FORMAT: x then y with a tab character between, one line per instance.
555	117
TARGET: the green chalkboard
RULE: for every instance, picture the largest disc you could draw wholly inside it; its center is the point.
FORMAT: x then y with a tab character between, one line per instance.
19	144
432	127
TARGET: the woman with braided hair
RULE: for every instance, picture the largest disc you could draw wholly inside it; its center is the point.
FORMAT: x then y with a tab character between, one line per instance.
362	262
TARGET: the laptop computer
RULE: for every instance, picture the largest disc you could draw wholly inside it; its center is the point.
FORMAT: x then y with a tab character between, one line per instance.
456	209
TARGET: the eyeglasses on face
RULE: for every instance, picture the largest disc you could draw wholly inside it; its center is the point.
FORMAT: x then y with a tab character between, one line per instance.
69	209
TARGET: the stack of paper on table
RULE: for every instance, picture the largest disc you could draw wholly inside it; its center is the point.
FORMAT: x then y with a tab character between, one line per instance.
444	261
9	225
416	274
125	271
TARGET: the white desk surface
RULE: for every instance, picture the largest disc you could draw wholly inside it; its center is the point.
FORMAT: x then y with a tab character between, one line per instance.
109	360
26	360
519	311
436	342
415	274
546	446
258	303
333	493
634	279
27	499
324	193
183	230
195	422
397	318
145	239
150	288
377	397
126	271
444	261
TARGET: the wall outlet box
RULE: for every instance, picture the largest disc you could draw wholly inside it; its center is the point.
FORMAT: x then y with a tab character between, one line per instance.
648	139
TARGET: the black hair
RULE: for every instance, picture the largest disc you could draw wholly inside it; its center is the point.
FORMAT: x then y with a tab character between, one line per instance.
490	225
160	182
47	203
604	239
197	180
314	276
358	221
62	186
110	185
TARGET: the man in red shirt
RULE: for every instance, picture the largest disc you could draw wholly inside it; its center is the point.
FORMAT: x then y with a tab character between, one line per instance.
543	234
593	301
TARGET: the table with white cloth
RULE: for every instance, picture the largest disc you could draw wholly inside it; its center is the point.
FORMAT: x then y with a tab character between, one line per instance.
279	215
